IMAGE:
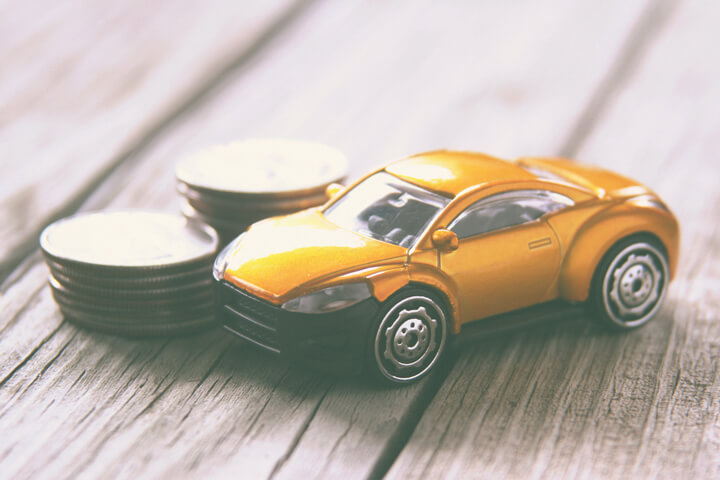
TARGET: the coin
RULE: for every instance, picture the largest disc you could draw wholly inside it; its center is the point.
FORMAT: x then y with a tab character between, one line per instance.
136	315
230	187
145	280
231	223
132	272
128	240
267	167
186	294
223	204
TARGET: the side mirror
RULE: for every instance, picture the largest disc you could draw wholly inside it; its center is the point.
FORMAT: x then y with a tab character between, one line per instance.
333	190
445	240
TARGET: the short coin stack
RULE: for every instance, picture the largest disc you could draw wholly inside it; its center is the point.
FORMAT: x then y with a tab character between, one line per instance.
132	272
229	187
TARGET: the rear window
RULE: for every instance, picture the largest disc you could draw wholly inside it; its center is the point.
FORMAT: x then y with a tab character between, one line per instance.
543	174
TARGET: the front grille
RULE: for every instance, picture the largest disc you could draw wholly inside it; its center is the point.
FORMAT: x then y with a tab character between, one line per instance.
249	317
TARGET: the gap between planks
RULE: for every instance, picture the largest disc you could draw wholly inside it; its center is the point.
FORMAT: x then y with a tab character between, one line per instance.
647	28
213	79
396	444
654	412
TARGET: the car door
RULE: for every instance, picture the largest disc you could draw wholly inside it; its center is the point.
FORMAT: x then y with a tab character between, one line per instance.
508	256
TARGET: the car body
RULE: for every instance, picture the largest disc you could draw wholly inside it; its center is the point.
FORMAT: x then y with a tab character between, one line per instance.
394	265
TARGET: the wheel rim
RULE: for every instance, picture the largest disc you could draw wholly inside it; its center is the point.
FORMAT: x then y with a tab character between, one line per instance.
410	338
634	285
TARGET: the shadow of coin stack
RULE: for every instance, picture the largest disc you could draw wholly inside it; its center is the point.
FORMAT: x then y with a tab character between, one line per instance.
132	273
231	186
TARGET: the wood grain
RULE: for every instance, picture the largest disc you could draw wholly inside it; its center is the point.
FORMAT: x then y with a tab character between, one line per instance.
83	83
378	80
573	401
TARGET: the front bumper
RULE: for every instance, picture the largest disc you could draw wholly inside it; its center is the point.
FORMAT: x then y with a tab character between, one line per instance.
336	341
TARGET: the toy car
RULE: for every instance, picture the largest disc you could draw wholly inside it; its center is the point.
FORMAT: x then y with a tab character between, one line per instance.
392	266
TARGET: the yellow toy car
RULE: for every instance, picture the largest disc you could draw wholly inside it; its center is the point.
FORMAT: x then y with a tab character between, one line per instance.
392	266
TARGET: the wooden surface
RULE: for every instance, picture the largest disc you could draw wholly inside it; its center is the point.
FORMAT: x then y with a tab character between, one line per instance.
99	102
84	84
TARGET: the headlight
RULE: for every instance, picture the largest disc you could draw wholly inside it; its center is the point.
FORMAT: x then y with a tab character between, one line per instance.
221	261
329	299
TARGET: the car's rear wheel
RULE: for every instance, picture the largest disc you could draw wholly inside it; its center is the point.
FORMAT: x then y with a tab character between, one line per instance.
410	336
630	283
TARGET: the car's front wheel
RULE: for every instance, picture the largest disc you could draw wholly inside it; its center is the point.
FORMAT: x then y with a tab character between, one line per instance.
630	283
410	336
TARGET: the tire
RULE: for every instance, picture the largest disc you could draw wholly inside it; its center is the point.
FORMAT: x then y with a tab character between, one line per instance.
410	336
630	283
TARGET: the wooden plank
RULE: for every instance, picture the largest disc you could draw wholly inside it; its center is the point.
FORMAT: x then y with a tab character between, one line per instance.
573	401
376	79
82	83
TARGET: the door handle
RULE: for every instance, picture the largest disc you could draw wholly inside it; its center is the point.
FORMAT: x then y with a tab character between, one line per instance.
540	242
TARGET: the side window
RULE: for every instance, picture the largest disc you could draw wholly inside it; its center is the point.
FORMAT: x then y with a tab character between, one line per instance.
505	210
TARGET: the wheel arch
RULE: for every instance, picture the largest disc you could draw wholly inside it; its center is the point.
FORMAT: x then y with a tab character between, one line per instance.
598	237
388	281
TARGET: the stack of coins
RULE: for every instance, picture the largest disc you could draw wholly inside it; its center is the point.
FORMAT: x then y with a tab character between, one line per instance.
132	272
232	186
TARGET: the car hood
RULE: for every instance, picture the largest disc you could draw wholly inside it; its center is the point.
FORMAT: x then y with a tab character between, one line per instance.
278	255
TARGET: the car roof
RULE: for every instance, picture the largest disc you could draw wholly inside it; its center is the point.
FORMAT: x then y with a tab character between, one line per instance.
451	172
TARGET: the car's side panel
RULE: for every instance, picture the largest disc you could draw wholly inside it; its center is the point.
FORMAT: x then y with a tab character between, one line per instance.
601	232
428	275
503	270
386	281
568	222
426	254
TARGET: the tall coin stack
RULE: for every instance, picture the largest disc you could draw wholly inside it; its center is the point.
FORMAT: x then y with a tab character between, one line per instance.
231	186
132	272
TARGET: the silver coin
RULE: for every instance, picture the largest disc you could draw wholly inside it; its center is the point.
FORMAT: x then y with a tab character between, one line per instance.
128	239
177	307
223	205
237	221
135	315
264	166
218	223
188	294
146	281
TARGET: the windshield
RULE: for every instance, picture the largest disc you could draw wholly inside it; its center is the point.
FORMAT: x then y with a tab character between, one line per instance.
386	208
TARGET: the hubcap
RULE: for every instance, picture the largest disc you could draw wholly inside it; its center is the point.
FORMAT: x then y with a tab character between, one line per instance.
410	338
634	284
